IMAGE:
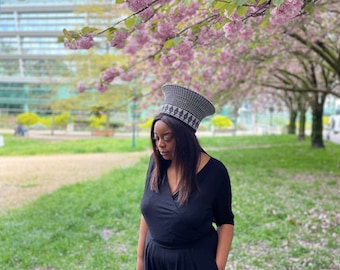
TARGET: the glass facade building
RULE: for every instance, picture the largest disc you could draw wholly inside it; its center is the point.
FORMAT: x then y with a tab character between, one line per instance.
35	66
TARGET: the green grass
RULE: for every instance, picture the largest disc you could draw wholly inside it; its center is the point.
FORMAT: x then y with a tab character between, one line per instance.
285	201
27	146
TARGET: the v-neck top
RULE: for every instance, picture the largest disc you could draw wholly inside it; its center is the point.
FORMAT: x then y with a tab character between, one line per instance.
171	224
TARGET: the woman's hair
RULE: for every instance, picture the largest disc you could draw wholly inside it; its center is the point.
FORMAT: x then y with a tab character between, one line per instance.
187	154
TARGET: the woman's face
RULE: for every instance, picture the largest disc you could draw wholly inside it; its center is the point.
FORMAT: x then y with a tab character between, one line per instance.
164	140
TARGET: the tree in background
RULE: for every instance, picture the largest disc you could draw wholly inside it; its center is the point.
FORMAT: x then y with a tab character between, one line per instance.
223	49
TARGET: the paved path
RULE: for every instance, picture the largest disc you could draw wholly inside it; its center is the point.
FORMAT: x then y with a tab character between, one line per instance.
25	178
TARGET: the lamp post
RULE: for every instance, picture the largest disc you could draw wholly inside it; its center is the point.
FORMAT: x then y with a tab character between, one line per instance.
271	110
134	105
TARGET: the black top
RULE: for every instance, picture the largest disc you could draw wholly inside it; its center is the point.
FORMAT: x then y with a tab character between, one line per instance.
171	224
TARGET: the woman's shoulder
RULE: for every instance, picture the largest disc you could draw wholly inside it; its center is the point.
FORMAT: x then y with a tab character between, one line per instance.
216	163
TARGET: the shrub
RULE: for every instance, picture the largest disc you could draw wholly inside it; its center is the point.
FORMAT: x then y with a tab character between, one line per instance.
221	121
146	124
28	118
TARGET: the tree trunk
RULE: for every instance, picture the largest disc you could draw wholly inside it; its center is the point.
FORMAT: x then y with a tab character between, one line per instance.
53	123
317	126
302	123
107	124
292	120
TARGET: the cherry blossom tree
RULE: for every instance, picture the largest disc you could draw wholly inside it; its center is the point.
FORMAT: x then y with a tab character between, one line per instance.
224	49
314	44
170	34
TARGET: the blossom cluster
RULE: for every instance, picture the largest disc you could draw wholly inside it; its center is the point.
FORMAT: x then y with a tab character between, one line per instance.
169	36
84	42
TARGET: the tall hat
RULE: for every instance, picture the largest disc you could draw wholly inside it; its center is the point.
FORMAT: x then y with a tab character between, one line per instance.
186	105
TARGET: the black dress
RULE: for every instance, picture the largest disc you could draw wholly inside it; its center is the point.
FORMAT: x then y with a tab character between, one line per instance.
182	237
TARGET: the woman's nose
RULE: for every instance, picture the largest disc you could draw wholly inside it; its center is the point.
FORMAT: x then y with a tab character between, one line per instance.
160	143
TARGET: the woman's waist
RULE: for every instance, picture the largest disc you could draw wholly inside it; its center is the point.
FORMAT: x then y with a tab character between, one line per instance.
207	238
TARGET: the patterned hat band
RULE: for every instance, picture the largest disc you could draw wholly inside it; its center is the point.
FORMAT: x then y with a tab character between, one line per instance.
181	114
185	105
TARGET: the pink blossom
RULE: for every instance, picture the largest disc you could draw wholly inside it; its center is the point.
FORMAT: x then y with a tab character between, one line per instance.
206	34
245	33
81	87
85	42
168	59
165	29
187	78
119	39
226	55
126	76
147	13
132	47
110	74
69	45
142	37
192	9
177	13
101	87
166	77
137	5
203	60
284	13
176	64
142	7
207	74
232	28
185	51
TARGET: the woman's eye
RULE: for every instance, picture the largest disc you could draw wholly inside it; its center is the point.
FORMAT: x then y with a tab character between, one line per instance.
167	138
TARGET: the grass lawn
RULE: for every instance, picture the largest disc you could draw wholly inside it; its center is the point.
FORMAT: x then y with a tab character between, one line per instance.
26	146
285	201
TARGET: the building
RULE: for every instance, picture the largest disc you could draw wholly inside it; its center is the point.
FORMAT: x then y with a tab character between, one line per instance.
35	67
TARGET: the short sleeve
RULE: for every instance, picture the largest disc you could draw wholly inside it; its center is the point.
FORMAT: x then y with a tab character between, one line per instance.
223	201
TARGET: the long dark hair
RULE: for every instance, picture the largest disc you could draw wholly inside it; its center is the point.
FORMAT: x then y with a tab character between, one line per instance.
187	154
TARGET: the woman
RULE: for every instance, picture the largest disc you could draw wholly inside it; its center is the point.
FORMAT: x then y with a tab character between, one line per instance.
187	192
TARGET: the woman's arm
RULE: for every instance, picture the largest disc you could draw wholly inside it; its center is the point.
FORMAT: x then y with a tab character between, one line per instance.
143	228
225	237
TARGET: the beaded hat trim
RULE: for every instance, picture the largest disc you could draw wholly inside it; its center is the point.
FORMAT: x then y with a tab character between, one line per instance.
186	105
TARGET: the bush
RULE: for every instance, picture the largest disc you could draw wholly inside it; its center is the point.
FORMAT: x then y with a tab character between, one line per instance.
28	119
221	121
60	120
146	124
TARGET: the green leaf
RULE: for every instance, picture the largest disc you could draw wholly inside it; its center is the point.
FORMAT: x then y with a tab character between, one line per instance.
277	3
177	40
130	22
220	5
241	2
264	23
110	33
309	8
187	2
217	25
195	29
261	2
230	8
242	11
169	43
66	34
85	30
138	20
119	1
175	11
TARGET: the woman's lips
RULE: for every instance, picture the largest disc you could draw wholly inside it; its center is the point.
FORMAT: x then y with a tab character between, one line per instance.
164	153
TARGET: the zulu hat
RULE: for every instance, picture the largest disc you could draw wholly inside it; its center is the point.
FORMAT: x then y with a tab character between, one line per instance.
185	105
